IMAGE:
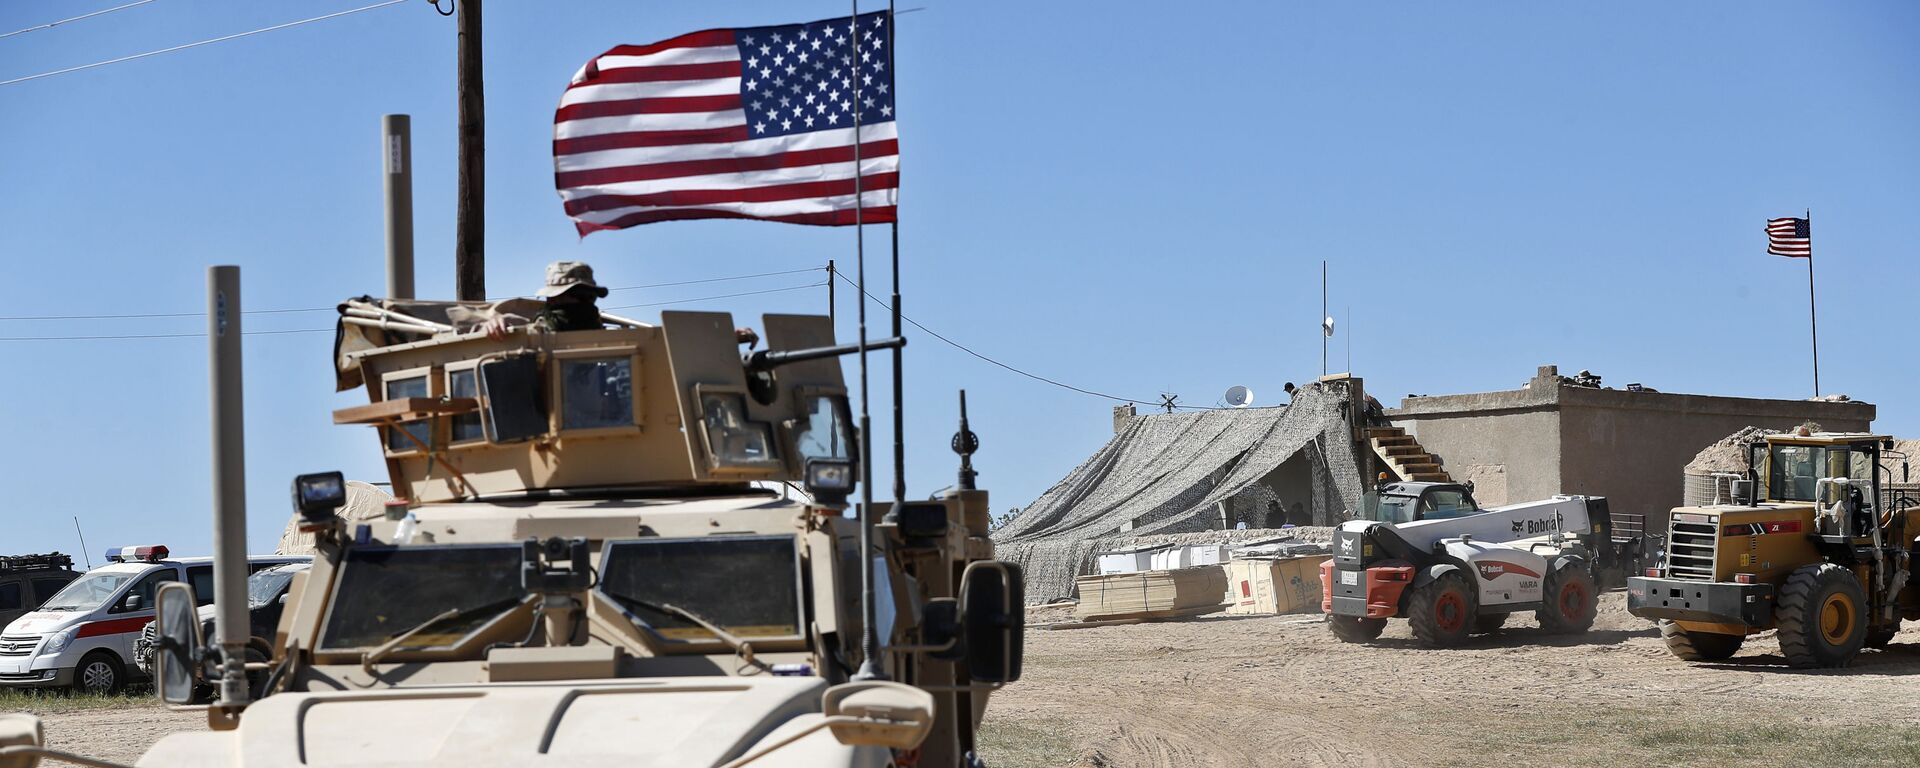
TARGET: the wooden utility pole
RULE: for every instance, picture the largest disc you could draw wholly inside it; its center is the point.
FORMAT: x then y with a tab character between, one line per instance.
469	259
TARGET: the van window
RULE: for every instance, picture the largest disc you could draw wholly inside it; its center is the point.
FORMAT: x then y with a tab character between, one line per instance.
10	597
200	577
145	589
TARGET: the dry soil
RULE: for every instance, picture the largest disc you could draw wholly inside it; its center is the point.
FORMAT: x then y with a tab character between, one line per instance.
1281	690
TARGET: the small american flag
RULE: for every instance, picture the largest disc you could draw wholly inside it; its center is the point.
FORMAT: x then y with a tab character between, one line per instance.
751	123
1790	237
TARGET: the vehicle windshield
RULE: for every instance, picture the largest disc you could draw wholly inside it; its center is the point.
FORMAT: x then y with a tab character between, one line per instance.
1794	471
1391	509
747	585
265	586
385	591
89	592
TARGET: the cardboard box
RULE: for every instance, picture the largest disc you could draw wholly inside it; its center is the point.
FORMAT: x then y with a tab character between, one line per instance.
1287	585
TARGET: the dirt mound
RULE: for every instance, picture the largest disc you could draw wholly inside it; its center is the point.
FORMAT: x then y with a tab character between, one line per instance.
1729	454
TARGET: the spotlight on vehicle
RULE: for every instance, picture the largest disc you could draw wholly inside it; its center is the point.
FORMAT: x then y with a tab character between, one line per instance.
829	480
318	495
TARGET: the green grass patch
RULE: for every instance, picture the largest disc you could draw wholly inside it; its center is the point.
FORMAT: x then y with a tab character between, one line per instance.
1633	736
1027	743
53	702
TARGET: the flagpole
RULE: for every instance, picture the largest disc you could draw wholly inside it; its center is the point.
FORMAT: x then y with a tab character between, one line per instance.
1813	313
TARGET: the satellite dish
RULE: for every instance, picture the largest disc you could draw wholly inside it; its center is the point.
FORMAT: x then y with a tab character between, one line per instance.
1326	325
1239	396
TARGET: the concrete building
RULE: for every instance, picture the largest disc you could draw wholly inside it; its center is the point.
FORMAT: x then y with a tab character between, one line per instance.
1631	446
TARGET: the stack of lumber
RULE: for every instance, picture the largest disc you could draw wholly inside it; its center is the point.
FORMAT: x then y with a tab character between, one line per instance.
1151	594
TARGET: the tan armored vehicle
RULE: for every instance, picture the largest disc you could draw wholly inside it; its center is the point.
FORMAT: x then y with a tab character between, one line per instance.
623	547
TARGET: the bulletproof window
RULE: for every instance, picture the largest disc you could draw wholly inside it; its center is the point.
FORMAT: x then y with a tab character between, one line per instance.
747	585
422	431
464	383
732	439
596	392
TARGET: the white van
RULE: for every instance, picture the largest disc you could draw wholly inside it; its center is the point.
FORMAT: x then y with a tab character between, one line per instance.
83	636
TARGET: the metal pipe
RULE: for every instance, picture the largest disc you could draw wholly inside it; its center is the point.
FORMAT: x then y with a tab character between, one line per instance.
229	484
767	360
396	154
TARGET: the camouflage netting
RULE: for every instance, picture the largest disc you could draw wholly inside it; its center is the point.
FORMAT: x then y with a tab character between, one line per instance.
1168	474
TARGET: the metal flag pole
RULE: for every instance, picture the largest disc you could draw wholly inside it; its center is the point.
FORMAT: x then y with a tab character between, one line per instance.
832	306
1813	313
870	668
1323	317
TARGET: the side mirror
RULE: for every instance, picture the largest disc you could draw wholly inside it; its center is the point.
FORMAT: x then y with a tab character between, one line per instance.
21	730
131	602
993	617
178	628
878	713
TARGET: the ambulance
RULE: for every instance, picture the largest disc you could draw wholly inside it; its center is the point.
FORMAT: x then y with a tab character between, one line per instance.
83	637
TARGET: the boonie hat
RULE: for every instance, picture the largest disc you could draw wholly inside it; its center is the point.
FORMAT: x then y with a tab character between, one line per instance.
563	276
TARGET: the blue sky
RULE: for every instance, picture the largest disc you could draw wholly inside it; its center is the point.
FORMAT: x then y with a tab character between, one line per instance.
1111	194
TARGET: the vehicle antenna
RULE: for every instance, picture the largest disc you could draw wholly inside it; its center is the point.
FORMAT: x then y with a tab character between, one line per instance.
965	442
83	542
870	668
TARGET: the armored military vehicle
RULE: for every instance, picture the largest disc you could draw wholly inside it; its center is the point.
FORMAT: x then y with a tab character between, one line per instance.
584	565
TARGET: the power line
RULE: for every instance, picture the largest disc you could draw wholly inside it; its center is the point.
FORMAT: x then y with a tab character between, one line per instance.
1034	376
107	337
151	315
201	43
52	24
157	335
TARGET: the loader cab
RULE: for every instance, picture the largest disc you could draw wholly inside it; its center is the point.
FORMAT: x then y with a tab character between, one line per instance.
1789	468
1407	502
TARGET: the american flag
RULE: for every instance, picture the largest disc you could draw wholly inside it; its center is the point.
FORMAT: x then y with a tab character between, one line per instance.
750	123
1790	237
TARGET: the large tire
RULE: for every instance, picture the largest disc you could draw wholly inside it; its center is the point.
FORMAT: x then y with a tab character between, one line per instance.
1880	637
1489	622
1822	617
1442	611
1356	629
1699	646
1568	599
99	673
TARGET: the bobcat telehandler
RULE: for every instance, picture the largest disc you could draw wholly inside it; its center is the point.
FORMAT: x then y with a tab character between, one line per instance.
1806	545
1431	554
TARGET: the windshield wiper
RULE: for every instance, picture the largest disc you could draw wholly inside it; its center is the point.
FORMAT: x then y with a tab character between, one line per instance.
370	658
740	647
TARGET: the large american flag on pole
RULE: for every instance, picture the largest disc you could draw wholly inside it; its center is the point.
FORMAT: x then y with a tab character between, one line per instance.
1790	237
750	123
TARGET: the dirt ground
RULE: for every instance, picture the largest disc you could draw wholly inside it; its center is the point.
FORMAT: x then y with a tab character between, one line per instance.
1281	690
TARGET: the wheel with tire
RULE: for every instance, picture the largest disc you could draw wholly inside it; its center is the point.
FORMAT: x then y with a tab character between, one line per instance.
100	673
1568	597
1491	622
1881	636
1442	611
1356	629
1699	646
1821	617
